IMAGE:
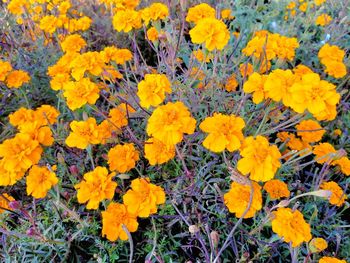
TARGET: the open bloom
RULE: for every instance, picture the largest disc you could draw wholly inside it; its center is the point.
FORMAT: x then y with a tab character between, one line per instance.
126	20
212	32
317	245
143	197
225	132
40	180
331	260
17	78
96	187
291	226
259	159
169	122
238	197
310	131
152	90
255	85
338	196
157	152
200	11
276	189
113	220
122	158
324	152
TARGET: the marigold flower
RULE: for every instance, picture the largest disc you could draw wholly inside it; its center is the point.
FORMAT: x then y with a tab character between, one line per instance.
40	180
96	187
246	69
73	43
212	32
199	12
157	152
316	95
338	196
317	245
113	220
238	197
231	83
344	164
83	133
17	78
154	12
310	131
323	20
319	2
259	159
9	177
152	89
20	152
37	132
226	14
5	68
89	61
303	7
332	57
46	114
122	158
255	84
225	132
337	69
200	56
324	152
330	259
5	199
152	34
276	189
126	20
291	226
118	55
78	93
169	122
118	119
49	24
143	197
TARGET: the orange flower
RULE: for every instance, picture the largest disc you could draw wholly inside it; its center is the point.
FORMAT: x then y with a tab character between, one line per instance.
331	260
231	83
96	187
338	196
344	164
5	68
152	34
310	131
157	152
323	20
5	199
126	20
113	220
118	119
122	158
169	122
40	180
9	177
17	78
317	245
237	199
276	189
200	11
73	43
225	132
143	197
324	152
259	159
291	226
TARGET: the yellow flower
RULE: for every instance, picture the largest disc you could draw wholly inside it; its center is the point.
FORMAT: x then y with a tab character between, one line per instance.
46	114
83	133
225	132
338	196
89	61
330	259
317	245
238	197
276	189
291	226
303	7
278	86
118	55
143	197
152	34
212	32
118	119
5	68
122	158
259	159
126	20
332	57
344	164
301	70
337	69
37	132
96	187
255	84
231	83
157	152
318	96
78	93
226	14
200	11
17	7
319	2
5	199
169	122
323	20
324	152
113	220
20	152
49	24
73	43
17	78
152	90
39	181
310	131
9	177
